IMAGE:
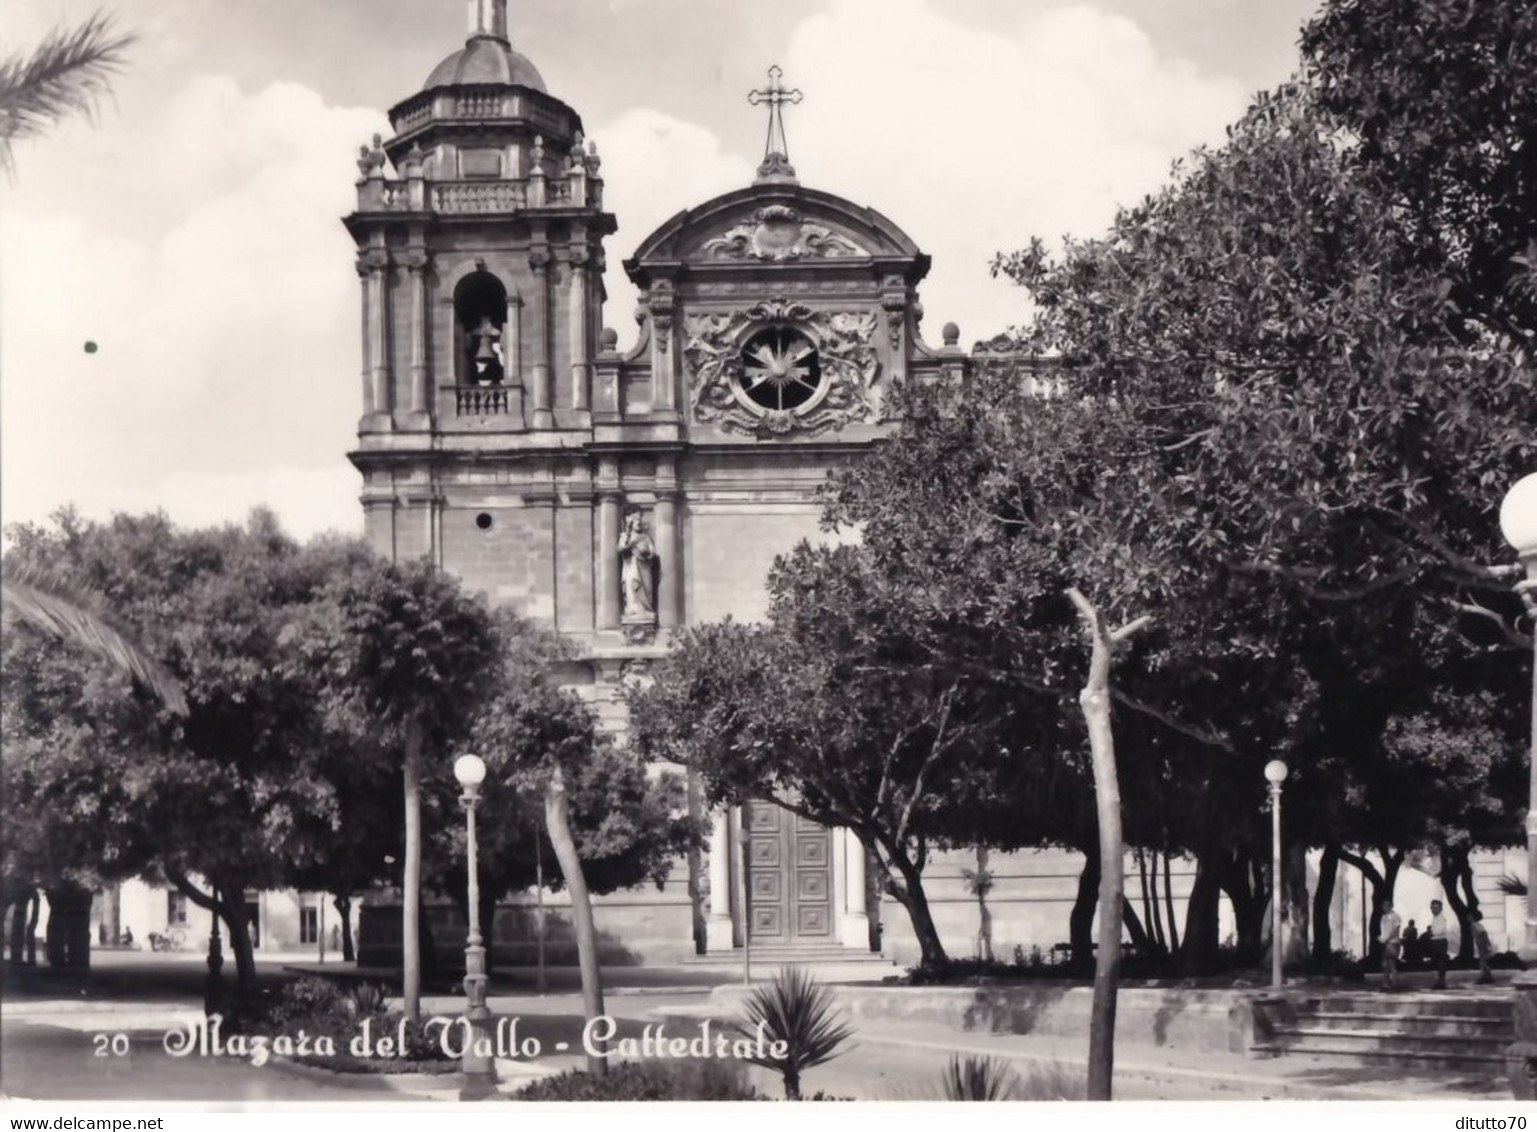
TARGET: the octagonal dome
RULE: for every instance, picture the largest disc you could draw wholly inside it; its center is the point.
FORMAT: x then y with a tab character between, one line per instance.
483	61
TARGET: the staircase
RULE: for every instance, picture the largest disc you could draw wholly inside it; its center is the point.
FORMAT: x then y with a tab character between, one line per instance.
1450	1030
766	960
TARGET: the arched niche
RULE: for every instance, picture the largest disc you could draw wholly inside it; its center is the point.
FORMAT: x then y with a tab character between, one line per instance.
480	327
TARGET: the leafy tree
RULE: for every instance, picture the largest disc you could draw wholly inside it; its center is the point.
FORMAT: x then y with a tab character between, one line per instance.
226	792
1438	99
833	711
414	657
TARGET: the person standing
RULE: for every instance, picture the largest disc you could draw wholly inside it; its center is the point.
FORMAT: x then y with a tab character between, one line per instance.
1392	945
1483	946
1437	945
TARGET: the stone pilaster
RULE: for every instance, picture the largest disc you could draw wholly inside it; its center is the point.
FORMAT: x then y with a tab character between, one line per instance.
661	303
421	391
855	921
581	359
719	932
539	328
609	519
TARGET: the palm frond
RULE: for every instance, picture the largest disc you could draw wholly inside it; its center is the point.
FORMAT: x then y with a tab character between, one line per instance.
1511	885
800	1012
979	1079
66	74
48	602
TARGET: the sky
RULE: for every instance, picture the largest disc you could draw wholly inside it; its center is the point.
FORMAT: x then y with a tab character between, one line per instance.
190	230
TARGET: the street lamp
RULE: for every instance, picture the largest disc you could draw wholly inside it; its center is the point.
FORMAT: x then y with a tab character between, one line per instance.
479	1073
1518	523
1275	774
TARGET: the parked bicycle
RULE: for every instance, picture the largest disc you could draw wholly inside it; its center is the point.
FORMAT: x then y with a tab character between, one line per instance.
173	939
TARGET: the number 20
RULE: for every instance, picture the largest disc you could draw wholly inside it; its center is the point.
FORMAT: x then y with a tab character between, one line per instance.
111	1045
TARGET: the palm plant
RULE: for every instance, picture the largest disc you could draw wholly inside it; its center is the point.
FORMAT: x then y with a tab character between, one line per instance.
979	1079
66	74
49	602
1511	885
800	1013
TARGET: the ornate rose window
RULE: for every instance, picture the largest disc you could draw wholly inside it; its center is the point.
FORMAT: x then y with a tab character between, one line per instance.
781	370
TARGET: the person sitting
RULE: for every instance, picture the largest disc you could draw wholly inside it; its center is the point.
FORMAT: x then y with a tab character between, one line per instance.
1411	938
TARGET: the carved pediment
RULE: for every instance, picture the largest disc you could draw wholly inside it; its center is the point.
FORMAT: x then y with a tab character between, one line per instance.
777	233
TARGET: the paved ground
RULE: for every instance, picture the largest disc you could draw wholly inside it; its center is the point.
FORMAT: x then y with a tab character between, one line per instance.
49	1027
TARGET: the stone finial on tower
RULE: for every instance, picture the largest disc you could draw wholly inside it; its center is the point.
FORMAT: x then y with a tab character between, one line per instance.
488	19
776	165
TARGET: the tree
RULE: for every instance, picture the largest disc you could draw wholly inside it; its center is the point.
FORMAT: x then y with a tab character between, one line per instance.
414	656
880	740
66	74
219	800
1438	99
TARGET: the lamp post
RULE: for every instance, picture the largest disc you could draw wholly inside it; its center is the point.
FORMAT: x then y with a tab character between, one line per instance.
479	1073
1275	774
1518	523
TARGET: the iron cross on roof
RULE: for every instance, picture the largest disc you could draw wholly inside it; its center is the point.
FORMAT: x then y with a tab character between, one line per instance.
776	152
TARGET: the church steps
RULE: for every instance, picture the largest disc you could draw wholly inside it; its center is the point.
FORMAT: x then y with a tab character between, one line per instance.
1421	1031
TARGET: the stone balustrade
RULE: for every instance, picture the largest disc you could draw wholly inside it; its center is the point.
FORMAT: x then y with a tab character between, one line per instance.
459	198
482	400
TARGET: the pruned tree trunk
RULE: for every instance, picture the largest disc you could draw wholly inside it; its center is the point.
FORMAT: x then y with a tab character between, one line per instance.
69	926
411	880
1095	702
1323	929
558	821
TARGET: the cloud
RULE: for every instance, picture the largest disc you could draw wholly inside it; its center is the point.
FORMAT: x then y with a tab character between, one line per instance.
654	166
973	141
215	280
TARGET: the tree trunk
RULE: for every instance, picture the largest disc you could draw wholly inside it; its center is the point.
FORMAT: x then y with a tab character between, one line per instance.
1095	702
411	882
343	906
1323	930
1150	915
1202	926
1140	941
558	822
34	910
1294	895
1249	903
1080	923
69	926
909	893
1168	900
1454	862
238	931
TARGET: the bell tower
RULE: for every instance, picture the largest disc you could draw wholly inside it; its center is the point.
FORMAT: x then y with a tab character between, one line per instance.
479	230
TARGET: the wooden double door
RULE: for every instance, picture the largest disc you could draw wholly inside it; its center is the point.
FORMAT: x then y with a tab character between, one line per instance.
790	877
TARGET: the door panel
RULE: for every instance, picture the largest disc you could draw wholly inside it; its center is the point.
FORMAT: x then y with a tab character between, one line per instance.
791	877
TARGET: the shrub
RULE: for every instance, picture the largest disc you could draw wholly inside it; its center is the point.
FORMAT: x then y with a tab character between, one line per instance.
704	1079
979	1079
796	1010
319	1005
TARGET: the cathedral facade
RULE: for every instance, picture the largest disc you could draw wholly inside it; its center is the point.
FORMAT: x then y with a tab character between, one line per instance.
620	496
617	497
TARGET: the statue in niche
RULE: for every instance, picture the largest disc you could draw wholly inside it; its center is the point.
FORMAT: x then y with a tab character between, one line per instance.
637	578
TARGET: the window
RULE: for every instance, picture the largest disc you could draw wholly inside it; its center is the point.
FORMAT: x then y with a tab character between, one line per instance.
780	369
175	909
309	925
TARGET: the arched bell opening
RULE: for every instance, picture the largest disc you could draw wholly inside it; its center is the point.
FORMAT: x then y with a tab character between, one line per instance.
480	317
